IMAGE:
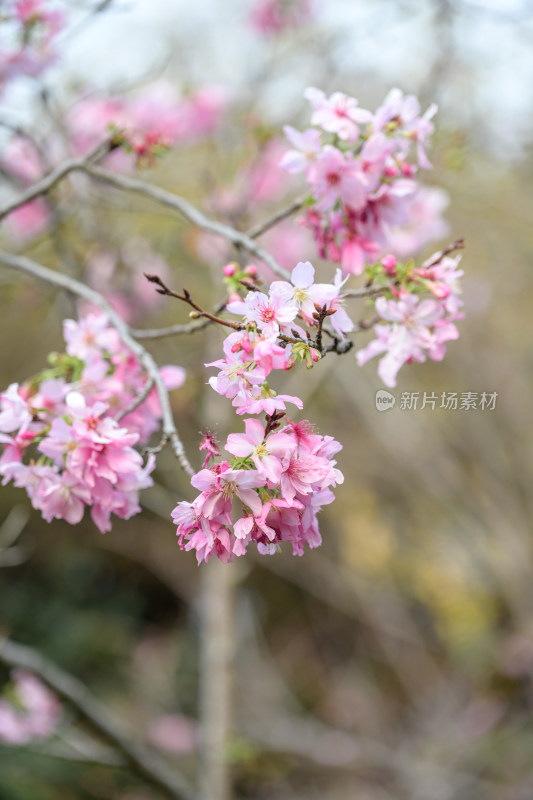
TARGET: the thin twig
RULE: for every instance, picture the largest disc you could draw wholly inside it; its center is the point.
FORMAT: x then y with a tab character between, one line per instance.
437	258
367	291
186	298
136	402
200	312
187	210
144	762
169	430
177	330
279	216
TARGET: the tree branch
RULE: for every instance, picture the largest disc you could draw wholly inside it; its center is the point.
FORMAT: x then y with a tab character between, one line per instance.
170	433
188	211
279	216
145	763
43	186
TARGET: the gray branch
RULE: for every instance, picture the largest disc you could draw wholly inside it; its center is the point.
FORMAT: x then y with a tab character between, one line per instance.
170	433
191	213
143	761
51	180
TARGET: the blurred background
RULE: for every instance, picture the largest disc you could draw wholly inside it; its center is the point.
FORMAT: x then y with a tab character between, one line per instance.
395	662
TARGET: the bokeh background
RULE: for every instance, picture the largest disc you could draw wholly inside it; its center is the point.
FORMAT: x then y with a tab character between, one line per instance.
395	662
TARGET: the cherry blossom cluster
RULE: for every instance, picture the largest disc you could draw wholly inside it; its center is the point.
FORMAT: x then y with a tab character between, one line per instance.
417	314
29	28
62	441
156	117
279	478
361	169
28	710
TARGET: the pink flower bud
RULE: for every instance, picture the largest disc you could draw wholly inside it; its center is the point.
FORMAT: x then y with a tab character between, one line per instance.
407	170
229	270
251	270
441	290
391	171
246	344
389	263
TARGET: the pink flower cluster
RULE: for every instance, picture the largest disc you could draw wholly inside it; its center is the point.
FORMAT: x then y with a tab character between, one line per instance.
156	116
269	322
29	711
61	440
361	170
30	27
415	327
278	480
269	493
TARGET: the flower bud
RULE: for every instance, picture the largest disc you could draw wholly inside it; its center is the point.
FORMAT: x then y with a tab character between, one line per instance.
389	263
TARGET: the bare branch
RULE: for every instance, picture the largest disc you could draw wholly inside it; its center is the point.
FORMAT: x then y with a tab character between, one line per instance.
43	186
188	211
437	258
177	330
136	402
367	291
144	762
279	216
170	432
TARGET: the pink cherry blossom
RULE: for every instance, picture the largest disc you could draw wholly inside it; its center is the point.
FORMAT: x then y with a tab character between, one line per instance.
339	114
269	312
307	146
412	335
336	176
266	453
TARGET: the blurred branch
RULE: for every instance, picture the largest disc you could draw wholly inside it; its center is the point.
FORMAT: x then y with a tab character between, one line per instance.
51	180
367	291
173	330
170	433
279	216
187	210
141	397
145	763
10	530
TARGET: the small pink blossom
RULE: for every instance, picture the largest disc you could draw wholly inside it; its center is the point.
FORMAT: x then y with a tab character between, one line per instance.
266	453
339	114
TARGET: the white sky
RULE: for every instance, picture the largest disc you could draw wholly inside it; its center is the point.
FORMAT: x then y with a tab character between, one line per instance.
487	83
